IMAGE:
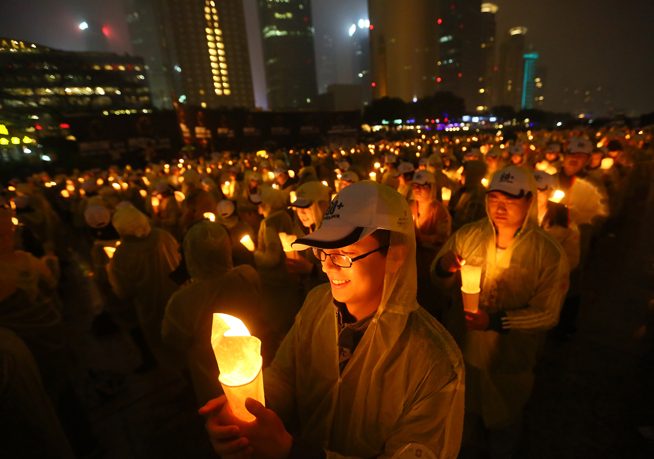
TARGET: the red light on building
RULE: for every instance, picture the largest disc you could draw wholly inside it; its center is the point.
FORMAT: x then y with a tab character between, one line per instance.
371	27
460	75
440	21
438	79
105	30
38	127
64	126
433	121
373	84
495	69
445	120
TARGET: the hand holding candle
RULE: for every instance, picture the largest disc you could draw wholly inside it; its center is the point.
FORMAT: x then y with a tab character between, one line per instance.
239	360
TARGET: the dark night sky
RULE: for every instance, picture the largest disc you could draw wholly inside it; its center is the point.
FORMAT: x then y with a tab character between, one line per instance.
583	43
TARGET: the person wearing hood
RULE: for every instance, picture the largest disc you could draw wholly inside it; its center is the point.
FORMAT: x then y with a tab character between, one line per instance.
404	175
468	203
139	271
280	291
390	171
435	166
237	229
553	155
433	226
166	213
310	206
217	287
524	278
365	371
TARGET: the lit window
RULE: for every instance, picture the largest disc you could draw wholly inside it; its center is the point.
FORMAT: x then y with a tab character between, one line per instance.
214	71
213	58
108	67
219	92
218	32
211	45
214	65
223	66
217	85
97	67
207	10
225	85
215	18
210	37
221	59
227	92
208	30
214	11
220	45
203	104
221	52
121	67
212	52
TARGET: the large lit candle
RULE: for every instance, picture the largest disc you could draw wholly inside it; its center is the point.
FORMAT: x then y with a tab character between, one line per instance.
287	240
446	195
210	216
110	251
247	242
373	176
557	196
179	197
293	196
470	282
607	163
239	360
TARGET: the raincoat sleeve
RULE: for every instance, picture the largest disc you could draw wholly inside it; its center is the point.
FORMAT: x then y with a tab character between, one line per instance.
272	252
177	328
542	311
445	281
120	280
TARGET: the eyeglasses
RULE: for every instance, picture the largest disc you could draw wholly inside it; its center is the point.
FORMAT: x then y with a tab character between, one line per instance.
343	261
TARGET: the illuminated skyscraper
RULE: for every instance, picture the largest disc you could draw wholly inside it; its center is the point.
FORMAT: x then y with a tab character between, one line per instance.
460	63
198	48
403	48
529	81
326	67
360	36
511	68
489	68
288	53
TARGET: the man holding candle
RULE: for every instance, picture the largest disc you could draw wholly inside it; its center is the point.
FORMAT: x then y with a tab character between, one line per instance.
524	278
365	371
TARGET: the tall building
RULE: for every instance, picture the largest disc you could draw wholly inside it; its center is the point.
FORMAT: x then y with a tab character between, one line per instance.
360	36
35	79
288	53
529	81
460	63
511	68
541	87
196	49
488	50
403	48
152	40
327	65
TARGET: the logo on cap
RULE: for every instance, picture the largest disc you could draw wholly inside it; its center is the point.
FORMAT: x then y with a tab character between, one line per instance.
333	206
538	178
506	177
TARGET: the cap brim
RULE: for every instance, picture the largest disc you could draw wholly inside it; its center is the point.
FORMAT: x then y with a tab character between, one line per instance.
333	237
510	195
255	199
301	203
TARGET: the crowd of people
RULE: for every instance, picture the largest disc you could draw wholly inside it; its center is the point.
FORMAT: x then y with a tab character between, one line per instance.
348	264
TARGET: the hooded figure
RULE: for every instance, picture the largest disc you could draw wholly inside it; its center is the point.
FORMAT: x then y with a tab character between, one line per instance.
139	270
523	285
280	291
365	371
217	287
467	204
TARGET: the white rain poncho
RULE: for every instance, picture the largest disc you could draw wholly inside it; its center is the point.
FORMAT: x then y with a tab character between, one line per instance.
404	383
139	271
216	287
528	283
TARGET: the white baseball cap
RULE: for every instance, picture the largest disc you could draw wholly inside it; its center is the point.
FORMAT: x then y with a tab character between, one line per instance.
343	166
310	192
579	145
553	147
97	216
255	177
225	208
390	158
512	181
358	211
423	177
350	177
544	180
516	150
404	168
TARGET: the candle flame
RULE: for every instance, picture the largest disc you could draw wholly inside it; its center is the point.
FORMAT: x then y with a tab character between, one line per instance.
558	196
14	220
143	193
293	196
179	197
210	216
65	193
110	251
247	242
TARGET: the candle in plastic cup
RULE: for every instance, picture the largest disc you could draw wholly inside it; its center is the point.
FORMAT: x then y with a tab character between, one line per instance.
293	196
143	193
110	251
557	196
287	240
155	202
373	176
65	193
607	163
179	197
484	182
470	278
116	186
14	220
238	355
446	194
247	242
470	301
210	216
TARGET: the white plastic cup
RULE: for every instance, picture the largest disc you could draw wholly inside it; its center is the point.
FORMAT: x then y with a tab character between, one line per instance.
236	396
470	301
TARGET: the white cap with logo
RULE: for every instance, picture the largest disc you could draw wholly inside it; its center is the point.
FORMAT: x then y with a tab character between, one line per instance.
310	192
358	211
544	180
579	145
516	150
404	168
423	177
512	181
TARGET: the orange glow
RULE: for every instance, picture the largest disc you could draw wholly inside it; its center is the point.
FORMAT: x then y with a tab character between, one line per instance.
210	216
247	242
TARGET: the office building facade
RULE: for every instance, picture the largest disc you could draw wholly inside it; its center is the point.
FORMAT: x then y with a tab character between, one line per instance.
288	52
488	87
511	68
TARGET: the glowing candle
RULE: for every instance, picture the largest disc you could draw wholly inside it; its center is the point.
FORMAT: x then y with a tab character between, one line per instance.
146	181
110	251
11	188
484	182
238	355
124	185
470	280
607	163
70	188
14	220
143	193
287	240
557	196
155	202
247	242
377	165
180	179
179	197
324	182
65	193
210	216
115	186
291	173
543	165
99	182
293	196
373	176
271	175
446	194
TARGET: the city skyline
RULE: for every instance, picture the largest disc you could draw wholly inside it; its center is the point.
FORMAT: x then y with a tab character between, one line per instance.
585	46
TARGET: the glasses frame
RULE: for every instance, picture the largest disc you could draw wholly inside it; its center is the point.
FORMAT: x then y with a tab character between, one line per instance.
319	252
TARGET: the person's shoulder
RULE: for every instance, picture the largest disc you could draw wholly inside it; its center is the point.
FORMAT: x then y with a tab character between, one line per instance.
545	246
429	341
473	228
315	302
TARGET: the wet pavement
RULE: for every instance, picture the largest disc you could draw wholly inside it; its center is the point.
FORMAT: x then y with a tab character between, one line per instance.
591	392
